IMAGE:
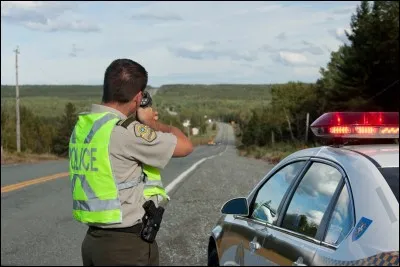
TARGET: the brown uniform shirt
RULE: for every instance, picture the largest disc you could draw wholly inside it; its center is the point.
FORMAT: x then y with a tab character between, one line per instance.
127	150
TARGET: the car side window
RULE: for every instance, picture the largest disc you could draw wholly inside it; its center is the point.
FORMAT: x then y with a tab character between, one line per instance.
342	219
311	199
272	192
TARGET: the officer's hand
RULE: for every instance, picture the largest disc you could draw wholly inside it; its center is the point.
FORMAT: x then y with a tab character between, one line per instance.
155	115
146	115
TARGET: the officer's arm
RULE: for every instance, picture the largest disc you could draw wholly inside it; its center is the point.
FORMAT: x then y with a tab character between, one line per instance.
183	146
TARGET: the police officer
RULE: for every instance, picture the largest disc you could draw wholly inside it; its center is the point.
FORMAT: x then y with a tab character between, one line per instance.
108	162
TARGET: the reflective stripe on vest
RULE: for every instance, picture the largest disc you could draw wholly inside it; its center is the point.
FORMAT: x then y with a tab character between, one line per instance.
153	184
94	188
95	204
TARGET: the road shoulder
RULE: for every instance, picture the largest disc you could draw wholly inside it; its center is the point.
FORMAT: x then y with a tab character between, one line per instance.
195	205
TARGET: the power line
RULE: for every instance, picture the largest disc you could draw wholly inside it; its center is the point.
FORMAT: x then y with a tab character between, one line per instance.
381	92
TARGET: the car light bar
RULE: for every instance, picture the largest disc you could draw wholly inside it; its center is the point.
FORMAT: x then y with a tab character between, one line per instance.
357	125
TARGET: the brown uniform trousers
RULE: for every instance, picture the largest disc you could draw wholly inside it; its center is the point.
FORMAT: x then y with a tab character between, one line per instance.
111	247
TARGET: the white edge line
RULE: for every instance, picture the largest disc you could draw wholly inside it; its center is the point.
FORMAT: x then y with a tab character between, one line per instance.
182	176
178	179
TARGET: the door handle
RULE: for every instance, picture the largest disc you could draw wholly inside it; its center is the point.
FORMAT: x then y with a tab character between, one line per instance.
299	262
254	245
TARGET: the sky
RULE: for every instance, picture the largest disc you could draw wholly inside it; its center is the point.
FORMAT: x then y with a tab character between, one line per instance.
177	42
313	194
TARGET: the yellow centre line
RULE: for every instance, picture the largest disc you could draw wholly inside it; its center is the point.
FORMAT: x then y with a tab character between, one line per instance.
12	187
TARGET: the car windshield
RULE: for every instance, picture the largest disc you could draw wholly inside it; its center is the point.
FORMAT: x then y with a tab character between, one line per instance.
391	176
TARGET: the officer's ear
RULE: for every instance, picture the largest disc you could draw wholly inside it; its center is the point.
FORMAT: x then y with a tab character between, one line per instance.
137	99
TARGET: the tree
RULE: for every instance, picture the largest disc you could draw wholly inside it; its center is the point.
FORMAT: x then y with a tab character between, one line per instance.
290	104
66	125
250	130
364	74
340	87
197	120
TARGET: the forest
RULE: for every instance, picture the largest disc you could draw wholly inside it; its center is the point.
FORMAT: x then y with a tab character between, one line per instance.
362	75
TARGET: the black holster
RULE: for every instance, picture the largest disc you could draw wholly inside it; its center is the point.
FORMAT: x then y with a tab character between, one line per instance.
151	221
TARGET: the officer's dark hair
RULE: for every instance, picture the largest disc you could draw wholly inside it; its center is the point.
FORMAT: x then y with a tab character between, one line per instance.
123	79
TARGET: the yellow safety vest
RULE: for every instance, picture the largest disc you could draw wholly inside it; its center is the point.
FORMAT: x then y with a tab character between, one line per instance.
94	189
95	192
153	183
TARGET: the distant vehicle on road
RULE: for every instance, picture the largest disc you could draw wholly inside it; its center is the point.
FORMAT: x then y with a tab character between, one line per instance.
329	205
211	143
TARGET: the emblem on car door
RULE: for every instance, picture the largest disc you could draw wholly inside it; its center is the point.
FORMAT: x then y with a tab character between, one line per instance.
254	245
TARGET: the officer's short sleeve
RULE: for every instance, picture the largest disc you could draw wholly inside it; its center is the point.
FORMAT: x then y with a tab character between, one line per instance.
150	147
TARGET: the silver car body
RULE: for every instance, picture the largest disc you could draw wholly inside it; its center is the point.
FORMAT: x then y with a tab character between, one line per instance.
371	196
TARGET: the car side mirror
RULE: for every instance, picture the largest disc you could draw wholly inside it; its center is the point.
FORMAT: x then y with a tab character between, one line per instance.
236	206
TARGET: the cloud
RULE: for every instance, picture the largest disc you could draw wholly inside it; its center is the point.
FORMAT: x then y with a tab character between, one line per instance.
340	34
62	26
338	217
266	48
212	43
307	48
330	19
291	58
155	17
327	49
35	6
74	51
32	11
312	49
320	180
187	38
282	36
344	10
306	71
269	8
315	216
257	68
342	206
44	16
211	51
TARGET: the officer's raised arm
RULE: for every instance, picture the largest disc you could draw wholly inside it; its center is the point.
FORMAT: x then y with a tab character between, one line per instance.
183	145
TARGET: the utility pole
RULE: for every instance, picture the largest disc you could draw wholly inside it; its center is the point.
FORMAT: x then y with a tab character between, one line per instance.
307	122
2	157
17	101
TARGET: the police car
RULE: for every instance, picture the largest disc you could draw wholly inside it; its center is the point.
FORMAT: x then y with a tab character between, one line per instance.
331	205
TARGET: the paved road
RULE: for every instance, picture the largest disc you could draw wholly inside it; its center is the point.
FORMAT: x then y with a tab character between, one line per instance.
11	174
36	223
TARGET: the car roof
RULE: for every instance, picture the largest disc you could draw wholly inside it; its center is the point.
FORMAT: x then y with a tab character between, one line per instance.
385	155
381	155
369	189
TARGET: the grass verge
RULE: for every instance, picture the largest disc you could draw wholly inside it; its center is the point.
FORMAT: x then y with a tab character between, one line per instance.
26	157
272	154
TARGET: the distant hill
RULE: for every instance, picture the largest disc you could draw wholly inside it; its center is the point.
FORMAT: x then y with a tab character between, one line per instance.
222	91
213	100
67	91
217	91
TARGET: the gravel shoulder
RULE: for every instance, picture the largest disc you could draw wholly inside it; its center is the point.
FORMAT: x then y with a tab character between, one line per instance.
194	207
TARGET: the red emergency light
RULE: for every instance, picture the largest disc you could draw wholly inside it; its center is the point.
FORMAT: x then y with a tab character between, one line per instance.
357	125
